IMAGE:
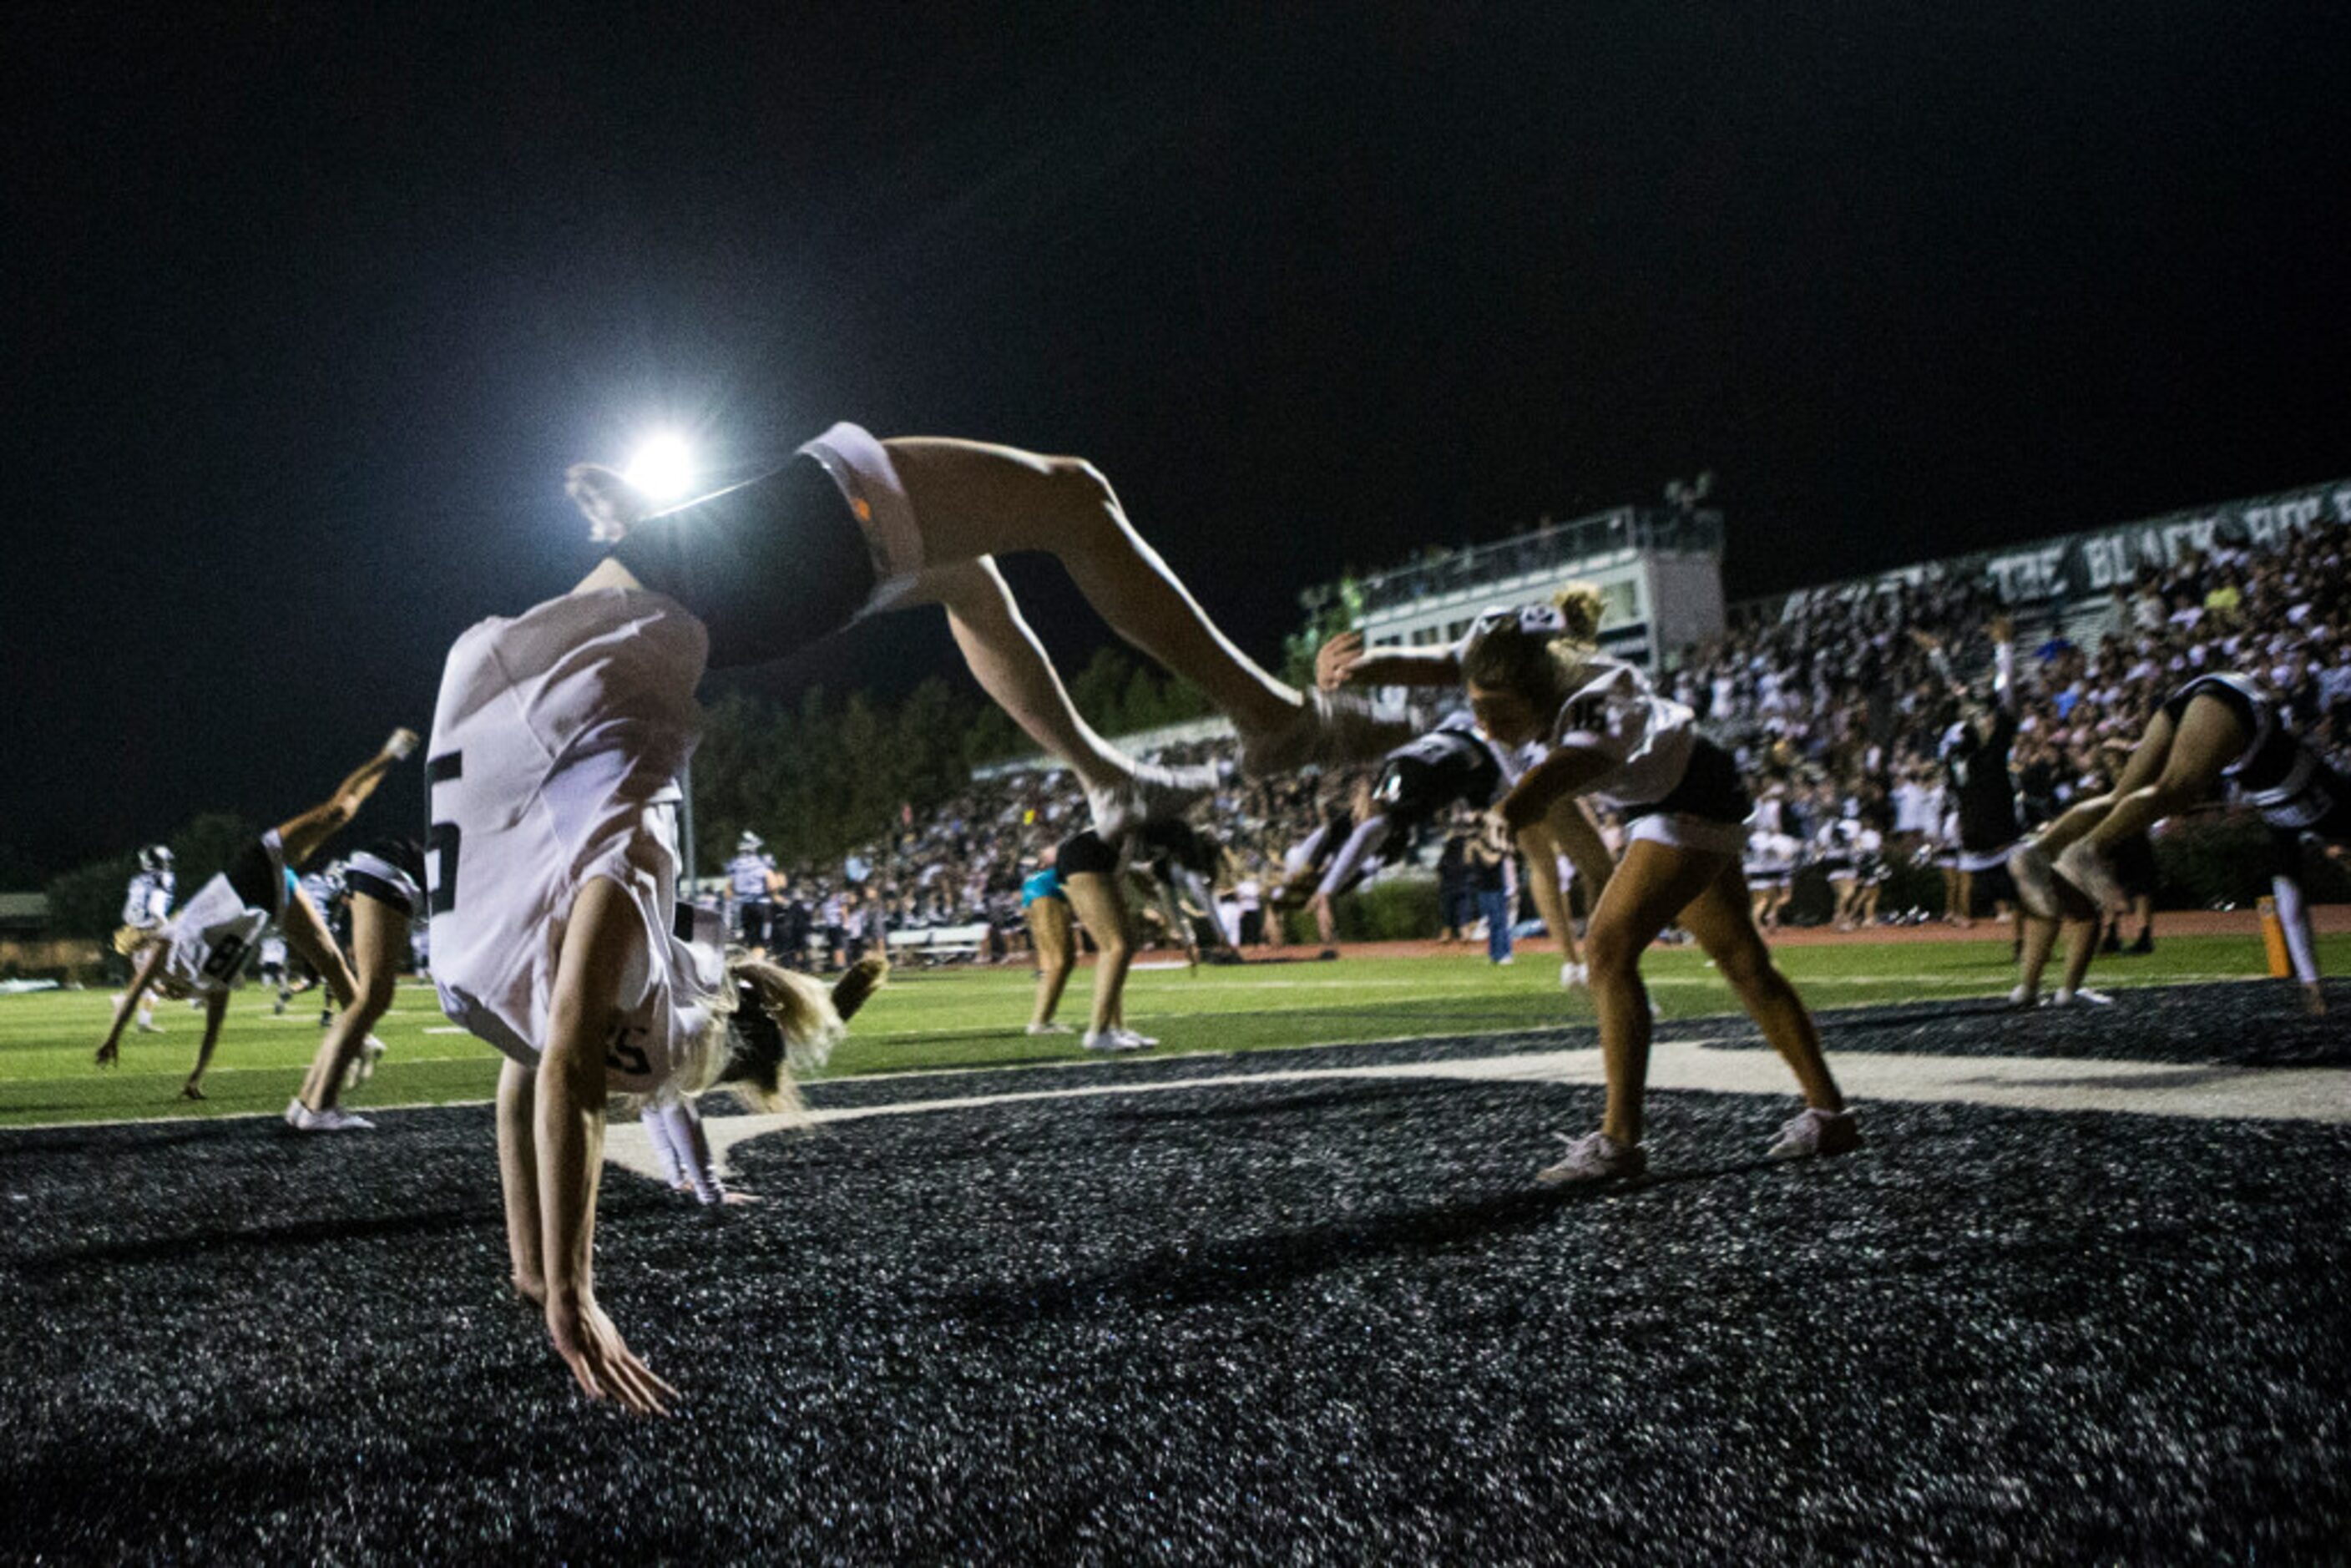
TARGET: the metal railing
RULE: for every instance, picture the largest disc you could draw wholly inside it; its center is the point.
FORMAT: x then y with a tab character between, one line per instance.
1551	547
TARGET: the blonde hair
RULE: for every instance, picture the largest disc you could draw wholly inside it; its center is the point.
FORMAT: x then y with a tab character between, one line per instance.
800	1021
1581	607
1539	657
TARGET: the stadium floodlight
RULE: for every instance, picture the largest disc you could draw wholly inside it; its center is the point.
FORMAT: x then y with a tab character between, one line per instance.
662	467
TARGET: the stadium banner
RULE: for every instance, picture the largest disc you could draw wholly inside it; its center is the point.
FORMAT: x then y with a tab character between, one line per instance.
2085	565
2094	563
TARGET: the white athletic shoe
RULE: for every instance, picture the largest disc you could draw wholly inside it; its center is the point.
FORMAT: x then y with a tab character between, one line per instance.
1814	1132
1154	794
2022	997
1137	1041
363	1065
149	1025
1572	976
2086	869
1050	1029
334	1119
1112	1040
2035	876
2084	997
402	743
1596	1156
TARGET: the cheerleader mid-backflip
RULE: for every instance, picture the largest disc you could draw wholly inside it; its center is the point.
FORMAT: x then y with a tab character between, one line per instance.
2219	733
203	952
552	870
1535	674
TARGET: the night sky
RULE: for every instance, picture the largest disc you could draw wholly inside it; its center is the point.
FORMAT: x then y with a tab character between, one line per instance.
306	314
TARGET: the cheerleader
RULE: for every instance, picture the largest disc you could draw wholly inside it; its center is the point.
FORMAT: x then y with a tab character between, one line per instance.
1045	907
1535	674
1832	851
1770	864
1975	754
201	954
2217	736
385	886
1088	870
552	878
1456	762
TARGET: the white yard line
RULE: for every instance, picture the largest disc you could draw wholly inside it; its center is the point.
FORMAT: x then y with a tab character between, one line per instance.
2200	1091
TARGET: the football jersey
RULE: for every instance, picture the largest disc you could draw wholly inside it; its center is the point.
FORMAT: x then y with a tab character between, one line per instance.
1646	737
747	876
322	888
273	950
148	900
556	741
209	939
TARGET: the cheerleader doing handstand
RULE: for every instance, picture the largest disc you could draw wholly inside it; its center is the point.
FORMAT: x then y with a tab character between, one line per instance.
551	863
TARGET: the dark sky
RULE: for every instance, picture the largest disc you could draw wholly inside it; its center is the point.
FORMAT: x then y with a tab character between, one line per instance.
306	313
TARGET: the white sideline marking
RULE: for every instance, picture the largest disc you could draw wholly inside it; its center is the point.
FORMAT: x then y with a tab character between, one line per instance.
2203	1090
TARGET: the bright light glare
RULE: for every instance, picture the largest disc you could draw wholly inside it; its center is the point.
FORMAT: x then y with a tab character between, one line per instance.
663	468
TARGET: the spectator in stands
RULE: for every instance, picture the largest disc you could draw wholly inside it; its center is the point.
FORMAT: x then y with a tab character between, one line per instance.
1486	864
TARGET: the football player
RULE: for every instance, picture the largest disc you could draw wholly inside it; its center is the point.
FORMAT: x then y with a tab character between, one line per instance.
146	905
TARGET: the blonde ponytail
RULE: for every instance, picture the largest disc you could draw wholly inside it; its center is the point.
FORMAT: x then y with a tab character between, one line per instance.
1581	606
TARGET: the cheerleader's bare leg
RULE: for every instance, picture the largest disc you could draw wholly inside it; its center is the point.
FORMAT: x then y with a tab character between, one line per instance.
306	933
1095	898
1654	882
379	940
972	499
304	835
1011	664
1717	918
2208	736
216	1012
1049	925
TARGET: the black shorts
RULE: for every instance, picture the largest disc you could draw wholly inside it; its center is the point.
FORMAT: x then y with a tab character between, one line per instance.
391	872
767	567
1085	853
756	916
2133	861
1413	788
259	877
1178	843
1992	886
2233	691
1710	789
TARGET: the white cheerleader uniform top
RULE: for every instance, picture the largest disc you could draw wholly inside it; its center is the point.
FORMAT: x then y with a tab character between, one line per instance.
217	931
1647	737
557	742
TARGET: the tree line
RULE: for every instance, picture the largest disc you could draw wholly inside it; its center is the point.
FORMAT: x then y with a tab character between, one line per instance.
813	778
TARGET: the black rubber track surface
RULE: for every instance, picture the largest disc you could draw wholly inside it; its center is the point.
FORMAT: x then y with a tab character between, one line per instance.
1259	1321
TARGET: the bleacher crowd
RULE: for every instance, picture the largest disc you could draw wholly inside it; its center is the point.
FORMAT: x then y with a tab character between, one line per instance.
1837	706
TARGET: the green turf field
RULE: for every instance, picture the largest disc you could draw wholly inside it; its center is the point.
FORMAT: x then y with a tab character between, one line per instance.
969	1018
